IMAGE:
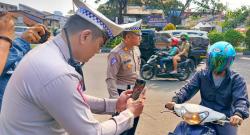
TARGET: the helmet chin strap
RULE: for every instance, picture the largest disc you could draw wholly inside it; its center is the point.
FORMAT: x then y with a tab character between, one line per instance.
77	65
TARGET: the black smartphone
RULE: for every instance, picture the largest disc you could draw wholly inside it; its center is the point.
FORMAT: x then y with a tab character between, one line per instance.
138	88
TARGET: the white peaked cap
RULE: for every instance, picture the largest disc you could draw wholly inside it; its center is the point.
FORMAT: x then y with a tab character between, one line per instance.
135	26
102	22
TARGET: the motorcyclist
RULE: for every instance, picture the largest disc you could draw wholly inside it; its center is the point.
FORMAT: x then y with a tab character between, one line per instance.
173	50
221	89
183	54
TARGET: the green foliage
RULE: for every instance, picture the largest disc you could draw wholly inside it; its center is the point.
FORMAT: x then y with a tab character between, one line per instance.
240	49
215	36
135	2
235	18
70	12
169	26
113	8
247	39
195	17
234	37
114	42
209	6
108	11
165	5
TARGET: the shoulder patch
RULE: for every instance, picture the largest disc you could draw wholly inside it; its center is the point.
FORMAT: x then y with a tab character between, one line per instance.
113	61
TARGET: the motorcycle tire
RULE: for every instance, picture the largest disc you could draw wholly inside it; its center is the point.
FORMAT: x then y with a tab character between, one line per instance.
143	62
185	73
147	72
192	66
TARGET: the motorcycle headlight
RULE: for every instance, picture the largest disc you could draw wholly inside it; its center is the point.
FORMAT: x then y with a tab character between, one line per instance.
193	118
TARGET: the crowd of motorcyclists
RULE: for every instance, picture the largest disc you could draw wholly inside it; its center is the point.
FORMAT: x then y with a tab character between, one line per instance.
38	104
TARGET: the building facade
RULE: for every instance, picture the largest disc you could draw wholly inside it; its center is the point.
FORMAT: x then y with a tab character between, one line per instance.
7	7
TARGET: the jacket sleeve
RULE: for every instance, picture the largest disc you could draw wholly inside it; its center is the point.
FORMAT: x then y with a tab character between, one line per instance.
17	52
114	63
101	105
240	97
189	90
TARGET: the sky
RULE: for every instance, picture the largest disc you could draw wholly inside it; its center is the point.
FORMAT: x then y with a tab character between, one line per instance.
65	5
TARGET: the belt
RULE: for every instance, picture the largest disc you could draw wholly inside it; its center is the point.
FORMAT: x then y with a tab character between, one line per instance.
124	87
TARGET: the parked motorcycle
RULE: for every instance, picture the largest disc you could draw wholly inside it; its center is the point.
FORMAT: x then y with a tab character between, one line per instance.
196	119
152	68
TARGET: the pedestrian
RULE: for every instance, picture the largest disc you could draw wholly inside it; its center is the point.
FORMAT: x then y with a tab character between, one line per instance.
46	93
20	47
6	37
124	66
221	89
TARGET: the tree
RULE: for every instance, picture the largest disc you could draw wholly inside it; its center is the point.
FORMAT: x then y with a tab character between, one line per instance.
115	5
135	2
169	26
70	12
234	37
108	11
215	36
247	22
169	7
209	6
235	18
247	39
114	42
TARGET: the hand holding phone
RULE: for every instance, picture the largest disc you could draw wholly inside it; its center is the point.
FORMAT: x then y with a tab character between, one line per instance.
138	89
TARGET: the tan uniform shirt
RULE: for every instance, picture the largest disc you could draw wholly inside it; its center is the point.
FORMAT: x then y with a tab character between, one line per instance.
185	46
123	68
44	97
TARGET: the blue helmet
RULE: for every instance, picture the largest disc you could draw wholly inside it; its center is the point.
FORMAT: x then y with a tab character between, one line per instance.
220	56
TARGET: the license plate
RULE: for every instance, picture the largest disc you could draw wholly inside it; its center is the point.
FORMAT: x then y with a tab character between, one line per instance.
203	57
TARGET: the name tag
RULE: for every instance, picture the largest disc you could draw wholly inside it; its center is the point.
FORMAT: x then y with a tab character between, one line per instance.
127	61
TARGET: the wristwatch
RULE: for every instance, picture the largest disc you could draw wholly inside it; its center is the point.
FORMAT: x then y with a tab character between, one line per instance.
6	39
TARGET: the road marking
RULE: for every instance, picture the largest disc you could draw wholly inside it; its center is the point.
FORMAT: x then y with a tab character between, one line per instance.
245	58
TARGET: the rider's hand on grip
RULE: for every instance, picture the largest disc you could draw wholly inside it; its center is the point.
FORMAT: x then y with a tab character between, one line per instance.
170	105
236	120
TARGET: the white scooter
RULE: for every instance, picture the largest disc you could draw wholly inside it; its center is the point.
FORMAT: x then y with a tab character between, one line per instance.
196	119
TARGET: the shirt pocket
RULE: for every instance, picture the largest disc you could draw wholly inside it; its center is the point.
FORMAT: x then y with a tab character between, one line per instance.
126	63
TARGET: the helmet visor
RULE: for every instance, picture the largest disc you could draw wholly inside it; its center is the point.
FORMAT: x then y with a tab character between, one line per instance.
218	63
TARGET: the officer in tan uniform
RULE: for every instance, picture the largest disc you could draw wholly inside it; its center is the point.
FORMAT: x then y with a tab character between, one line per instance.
124	65
47	90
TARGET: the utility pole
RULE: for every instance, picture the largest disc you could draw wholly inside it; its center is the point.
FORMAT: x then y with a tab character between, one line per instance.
73	7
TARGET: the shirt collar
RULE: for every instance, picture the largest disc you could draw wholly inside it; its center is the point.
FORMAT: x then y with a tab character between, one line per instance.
62	45
125	48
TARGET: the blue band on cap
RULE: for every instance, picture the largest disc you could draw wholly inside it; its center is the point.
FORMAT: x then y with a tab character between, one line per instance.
133	28
94	18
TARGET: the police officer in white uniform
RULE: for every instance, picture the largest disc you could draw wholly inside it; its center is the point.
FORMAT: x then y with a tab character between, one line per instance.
45	95
124	65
